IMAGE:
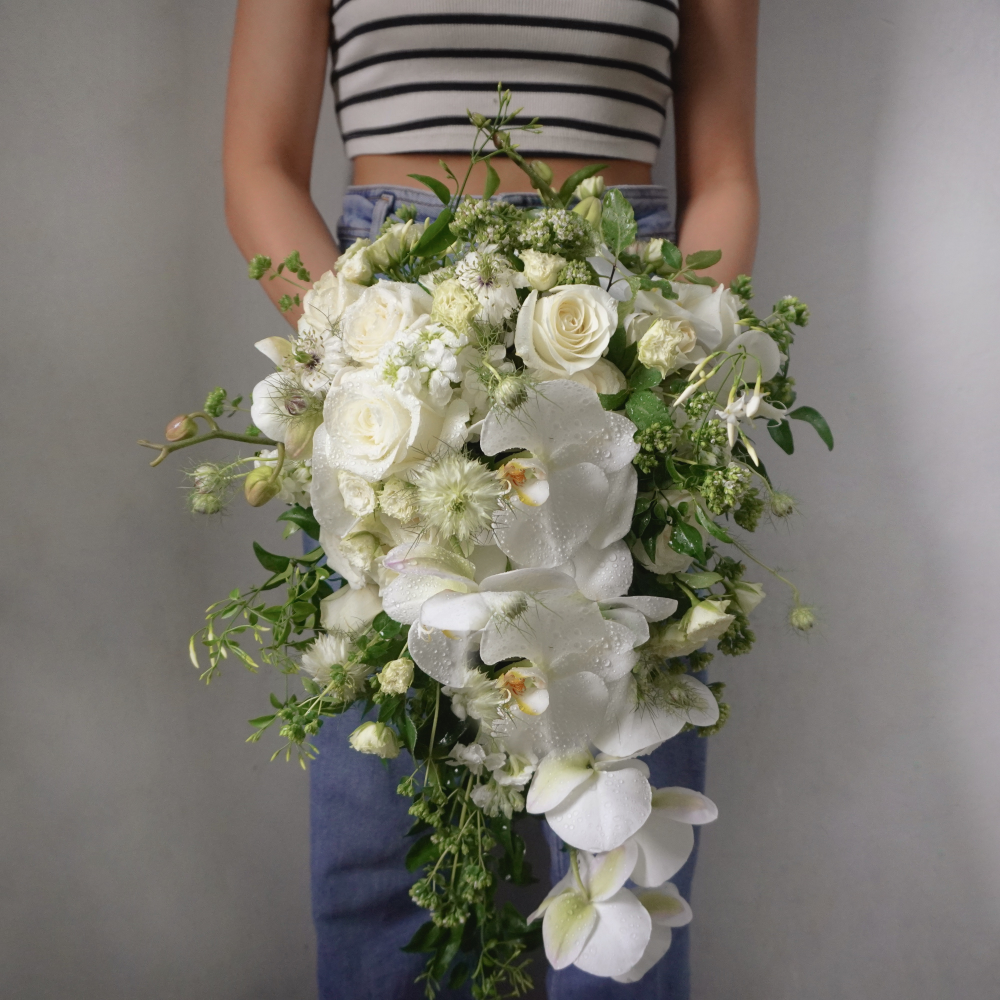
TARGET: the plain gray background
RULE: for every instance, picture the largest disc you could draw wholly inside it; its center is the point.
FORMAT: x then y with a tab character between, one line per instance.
146	852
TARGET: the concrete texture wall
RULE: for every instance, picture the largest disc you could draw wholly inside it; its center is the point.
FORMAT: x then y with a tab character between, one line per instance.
146	852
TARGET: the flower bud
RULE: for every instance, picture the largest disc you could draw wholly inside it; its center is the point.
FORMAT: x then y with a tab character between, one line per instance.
205	503
510	392
354	263
376	738
590	209
258	487
542	169
653	252
592	187
542	270
386	250
396	676
181	427
480	121
298	439
802	617
782	505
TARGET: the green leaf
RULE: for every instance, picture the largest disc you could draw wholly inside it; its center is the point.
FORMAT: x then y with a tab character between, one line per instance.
703	259
426	938
435	185
699	581
672	255
781	434
574	180
409	734
277	704
687	540
814	417
276	564
263	720
620	353
388	707
421	853
710	526
645	378
703	279
649	544
303	517
437	236
385	626
642	504
446	954
645	408
492	181
613	400
618	221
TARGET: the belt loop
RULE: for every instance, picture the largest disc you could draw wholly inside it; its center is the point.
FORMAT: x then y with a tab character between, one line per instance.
379	212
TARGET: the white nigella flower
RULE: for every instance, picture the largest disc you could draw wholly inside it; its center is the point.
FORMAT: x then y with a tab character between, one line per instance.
591	920
476	696
584	453
593	804
457	496
491	279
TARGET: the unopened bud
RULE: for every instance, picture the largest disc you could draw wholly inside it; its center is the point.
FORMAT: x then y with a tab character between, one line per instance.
259	488
480	121
542	169
376	738
180	428
782	505
802	617
590	209
511	392
298	440
592	187
205	503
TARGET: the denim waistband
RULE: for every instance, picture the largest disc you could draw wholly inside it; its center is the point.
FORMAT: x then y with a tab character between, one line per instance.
367	207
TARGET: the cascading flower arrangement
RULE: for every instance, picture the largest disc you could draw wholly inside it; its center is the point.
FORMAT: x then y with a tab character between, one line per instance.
513	433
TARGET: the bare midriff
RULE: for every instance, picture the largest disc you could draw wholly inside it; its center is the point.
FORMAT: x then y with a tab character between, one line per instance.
393	170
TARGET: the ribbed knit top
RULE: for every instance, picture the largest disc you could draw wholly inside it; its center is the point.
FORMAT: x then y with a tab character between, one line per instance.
595	72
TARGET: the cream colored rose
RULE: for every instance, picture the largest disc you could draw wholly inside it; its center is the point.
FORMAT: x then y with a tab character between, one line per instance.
602	377
542	270
396	677
454	306
712	313
360	550
326	301
373	431
349	610
359	497
379	314
356	264
376	738
389	248
666	344
565	330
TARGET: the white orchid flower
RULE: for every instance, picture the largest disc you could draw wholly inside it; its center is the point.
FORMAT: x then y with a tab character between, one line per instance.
595	805
634	728
666	910
665	841
591	921
584	454
613	274
635	613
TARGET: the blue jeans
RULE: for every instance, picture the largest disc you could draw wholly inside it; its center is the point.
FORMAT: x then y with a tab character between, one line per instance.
360	884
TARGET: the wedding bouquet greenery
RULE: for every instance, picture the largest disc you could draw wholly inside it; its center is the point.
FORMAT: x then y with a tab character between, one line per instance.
525	445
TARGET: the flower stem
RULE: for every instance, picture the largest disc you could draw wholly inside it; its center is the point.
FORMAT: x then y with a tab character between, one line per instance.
166	449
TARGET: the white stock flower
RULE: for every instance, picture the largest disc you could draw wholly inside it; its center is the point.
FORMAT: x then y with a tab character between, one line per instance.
375	738
491	280
381	313
585	455
591	920
602	376
541	270
359	497
374	431
595	805
565	330
666	910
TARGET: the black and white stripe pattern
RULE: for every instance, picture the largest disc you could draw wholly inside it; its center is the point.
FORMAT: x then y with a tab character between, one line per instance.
595	72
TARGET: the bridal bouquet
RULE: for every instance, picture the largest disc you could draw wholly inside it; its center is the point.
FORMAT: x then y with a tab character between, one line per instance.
525	443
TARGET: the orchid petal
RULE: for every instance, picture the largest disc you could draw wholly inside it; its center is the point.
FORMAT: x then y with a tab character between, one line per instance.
275	349
663	845
685	805
660	938
348	610
568	881
600	814
577	705
569	921
425	558
603	875
619	507
620	937
630	728
558	775
634	621
529	580
603	573
488	561
455	612
407	594
442	657
666	906
327	500
655	609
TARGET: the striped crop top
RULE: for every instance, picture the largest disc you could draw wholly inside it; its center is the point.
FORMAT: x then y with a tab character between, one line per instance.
595	72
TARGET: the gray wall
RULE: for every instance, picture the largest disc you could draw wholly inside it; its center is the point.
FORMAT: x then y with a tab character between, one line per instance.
146	852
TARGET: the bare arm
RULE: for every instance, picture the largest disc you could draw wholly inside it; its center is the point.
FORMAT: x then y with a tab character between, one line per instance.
715	74
276	81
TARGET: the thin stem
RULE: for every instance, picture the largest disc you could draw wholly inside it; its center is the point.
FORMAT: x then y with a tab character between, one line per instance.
434	725
166	449
502	142
773	572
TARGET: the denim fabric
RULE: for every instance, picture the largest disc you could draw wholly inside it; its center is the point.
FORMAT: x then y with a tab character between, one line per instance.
366	208
361	907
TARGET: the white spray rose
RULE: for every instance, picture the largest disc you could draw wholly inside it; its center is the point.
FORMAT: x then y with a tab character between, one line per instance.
711	312
380	313
707	620
398	499
454	305
666	344
360	550
359	497
565	330
373	430
326	301
396	677
542	270
748	596
356	265
602	376
375	738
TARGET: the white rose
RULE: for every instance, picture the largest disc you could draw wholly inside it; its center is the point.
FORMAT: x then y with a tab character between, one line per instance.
667	560
360	550
707	620
372	430
602	377
326	301
379	314
748	596
396	676
359	497
712	312
565	330
542	270
350	610
376	738
666	344
358	268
